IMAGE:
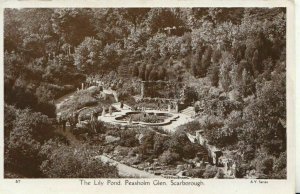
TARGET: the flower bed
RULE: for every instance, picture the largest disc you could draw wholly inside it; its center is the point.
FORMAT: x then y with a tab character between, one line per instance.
145	117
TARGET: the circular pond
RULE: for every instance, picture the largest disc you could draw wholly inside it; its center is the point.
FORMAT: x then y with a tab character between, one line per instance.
146	118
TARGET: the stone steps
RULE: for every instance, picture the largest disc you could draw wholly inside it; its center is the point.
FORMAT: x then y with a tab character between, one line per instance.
190	111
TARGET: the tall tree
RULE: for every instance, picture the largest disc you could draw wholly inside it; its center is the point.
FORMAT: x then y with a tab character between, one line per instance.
162	18
87	55
72	25
135	15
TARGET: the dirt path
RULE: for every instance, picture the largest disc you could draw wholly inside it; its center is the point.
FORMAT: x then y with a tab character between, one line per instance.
66	98
63	99
127	171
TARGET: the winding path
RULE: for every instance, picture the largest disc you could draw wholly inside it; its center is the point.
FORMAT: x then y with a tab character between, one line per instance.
127	171
64	99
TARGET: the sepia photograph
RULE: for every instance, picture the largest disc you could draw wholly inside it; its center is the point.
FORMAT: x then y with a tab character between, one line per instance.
170	93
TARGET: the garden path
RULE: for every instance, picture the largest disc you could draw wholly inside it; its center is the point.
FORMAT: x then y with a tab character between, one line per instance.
126	171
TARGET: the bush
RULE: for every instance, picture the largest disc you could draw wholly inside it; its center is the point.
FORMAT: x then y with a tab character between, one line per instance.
30	130
265	166
128	138
169	157
220	174
241	170
210	171
280	162
9	118
70	162
249	153
196	172
191	127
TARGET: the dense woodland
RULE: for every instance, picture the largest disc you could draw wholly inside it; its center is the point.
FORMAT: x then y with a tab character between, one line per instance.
232	60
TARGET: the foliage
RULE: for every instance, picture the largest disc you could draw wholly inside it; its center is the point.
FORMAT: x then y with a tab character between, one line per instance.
232	61
29	131
87	54
210	171
169	157
74	162
128	138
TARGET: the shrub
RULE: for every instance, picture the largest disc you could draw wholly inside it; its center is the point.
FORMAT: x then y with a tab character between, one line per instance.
196	172
9	118
220	174
280	162
128	138
74	162
30	130
210	171
169	157
265	166
191	127
241	170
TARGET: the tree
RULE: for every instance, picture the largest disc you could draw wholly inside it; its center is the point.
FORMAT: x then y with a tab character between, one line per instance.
9	118
128	139
112	56
219	16
44	93
28	30
210	171
12	34
213	74
148	70
162	18
205	60
181	145
268	114
155	45
38	125
247	84
159	144
255	62
238	50
74	162
147	143
196	64
135	71
224	77
29	131
190	95
266	166
34	46
87	55
169	157
21	154
135	15
236	81
153	75
142	70
161	74
279	167
72	25
22	97
110	25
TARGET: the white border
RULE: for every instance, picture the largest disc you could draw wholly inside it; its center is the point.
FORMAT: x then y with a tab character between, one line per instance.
211	185
297	95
